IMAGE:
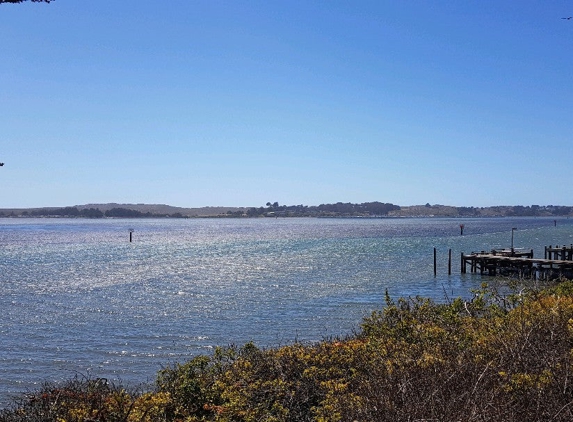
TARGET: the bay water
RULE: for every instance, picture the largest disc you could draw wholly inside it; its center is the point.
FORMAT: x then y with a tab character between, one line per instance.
78	298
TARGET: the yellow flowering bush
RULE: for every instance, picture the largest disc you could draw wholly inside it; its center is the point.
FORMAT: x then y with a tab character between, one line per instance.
503	358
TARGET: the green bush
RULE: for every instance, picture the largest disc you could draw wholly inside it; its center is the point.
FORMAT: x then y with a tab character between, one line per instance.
493	358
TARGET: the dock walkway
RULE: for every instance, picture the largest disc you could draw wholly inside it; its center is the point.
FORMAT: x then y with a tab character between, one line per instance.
558	262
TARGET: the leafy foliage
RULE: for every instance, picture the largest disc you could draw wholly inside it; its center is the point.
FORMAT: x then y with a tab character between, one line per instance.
502	358
324	210
21	1
84	399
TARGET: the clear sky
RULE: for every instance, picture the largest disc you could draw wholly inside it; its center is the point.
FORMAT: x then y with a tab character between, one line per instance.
237	103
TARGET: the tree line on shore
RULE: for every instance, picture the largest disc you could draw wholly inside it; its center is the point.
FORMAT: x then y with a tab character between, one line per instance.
339	209
74	212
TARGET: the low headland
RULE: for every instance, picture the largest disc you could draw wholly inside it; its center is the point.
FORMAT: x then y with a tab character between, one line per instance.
339	209
503	357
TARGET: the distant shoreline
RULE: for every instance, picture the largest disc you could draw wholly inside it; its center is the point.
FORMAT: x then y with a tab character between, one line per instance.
338	210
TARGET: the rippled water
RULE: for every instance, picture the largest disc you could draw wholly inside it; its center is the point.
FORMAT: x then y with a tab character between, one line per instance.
77	297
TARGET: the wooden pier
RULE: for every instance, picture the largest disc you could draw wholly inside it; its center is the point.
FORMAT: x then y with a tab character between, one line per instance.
564	253
558	262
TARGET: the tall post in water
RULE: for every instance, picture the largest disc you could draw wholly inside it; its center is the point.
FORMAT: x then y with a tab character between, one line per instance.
450	262
434	262
130	235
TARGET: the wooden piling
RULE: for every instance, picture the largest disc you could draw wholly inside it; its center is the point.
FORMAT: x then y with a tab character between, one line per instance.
435	269
450	262
521	264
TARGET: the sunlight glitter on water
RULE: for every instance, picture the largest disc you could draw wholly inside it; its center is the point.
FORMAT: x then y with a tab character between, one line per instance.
77	296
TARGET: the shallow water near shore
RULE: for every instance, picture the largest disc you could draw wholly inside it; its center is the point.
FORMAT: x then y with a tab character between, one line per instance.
77	297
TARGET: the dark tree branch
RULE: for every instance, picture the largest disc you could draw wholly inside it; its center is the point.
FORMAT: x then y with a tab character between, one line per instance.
21	1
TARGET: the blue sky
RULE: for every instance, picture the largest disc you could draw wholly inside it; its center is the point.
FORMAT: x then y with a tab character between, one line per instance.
237	103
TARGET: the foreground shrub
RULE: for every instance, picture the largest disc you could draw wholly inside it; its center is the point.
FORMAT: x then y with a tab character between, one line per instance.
494	358
84	399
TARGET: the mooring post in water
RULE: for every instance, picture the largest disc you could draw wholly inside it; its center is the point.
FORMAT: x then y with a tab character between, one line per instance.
461	229
434	262
450	262
130	235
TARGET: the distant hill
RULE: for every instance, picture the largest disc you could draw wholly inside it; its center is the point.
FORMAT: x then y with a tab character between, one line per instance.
99	210
339	209
165	209
494	211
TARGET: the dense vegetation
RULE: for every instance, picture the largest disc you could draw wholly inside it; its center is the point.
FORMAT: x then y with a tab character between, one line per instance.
339	209
74	212
377	209
322	210
493	358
